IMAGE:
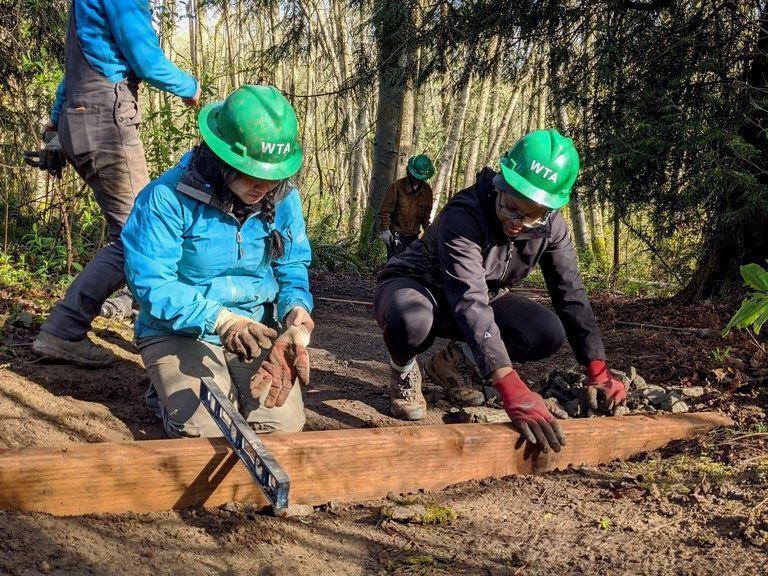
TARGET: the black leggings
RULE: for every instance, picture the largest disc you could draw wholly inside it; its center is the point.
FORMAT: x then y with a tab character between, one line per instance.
411	317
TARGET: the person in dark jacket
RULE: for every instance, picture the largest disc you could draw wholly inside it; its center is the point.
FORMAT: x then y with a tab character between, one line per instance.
110	47
452	284
407	206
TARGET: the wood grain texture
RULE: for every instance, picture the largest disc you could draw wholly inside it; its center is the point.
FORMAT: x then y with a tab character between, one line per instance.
337	465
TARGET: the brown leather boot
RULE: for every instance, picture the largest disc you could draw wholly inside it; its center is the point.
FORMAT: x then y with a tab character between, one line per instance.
407	402
450	369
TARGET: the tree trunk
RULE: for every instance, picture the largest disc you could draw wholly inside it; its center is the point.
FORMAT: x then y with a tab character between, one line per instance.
451	145
578	220
392	24
730	244
481	121
492	157
599	247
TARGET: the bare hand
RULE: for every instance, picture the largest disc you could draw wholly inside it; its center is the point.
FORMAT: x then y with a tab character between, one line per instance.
196	98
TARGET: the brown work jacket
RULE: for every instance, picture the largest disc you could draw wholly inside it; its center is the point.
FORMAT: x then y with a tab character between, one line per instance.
404	210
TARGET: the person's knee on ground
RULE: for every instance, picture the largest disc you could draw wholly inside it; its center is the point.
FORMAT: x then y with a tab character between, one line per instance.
290	417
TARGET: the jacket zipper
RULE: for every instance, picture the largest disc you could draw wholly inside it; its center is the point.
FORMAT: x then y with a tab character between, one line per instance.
506	262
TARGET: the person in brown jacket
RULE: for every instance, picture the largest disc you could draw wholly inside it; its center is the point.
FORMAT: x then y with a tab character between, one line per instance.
407	206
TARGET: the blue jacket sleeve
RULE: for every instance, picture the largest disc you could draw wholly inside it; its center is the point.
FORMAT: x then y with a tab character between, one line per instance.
58	104
291	271
152	240
131	25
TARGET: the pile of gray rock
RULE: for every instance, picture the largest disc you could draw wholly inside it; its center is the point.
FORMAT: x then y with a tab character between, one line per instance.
568	388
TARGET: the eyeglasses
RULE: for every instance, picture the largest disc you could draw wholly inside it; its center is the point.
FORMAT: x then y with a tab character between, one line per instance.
528	222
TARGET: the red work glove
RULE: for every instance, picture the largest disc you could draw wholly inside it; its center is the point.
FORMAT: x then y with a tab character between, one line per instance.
603	390
531	415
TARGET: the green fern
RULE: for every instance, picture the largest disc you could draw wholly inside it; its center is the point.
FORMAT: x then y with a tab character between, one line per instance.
754	309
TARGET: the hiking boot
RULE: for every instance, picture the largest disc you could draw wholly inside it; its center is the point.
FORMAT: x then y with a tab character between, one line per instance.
83	353
119	306
405	394
450	369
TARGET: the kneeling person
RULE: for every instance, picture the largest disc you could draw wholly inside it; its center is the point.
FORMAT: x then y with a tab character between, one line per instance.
216	255
453	282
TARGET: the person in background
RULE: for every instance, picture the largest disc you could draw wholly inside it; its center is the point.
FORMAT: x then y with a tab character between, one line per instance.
407	206
110	48
452	284
217	256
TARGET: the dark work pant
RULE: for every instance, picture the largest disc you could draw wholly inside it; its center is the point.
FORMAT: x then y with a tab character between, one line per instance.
109	156
411	317
399	243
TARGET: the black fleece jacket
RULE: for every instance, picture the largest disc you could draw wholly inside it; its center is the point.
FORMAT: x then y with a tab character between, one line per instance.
465	255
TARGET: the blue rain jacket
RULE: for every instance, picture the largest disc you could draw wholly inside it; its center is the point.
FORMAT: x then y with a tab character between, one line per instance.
186	260
117	37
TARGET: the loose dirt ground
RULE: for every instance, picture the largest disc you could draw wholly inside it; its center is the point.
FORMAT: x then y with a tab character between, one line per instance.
698	508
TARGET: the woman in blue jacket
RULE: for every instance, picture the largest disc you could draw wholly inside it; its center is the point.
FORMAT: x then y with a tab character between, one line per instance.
217	255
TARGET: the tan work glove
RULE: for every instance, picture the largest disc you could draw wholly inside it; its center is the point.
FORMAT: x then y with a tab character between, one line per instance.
287	362
243	336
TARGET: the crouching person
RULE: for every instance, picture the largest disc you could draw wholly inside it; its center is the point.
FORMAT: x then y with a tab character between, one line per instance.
452	284
217	257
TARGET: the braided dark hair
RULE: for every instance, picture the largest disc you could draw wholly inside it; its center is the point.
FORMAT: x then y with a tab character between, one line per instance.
276	248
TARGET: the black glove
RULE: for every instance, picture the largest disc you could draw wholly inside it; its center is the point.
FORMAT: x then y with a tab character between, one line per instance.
50	158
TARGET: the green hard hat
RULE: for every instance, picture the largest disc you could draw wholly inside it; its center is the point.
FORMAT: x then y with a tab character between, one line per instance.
421	167
255	131
542	166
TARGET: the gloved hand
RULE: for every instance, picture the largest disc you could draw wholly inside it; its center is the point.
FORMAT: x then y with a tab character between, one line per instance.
533	416
50	158
603	390
386	237
243	336
287	362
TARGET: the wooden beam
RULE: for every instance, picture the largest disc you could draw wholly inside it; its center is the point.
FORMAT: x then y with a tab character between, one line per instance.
338	465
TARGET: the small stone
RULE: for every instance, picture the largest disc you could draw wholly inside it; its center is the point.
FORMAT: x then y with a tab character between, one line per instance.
655	395
44	567
552	374
491	395
639	383
621	411
632	373
680	407
482	415
671	399
295	511
560	383
693	392
574	408
573	376
410	513
561	397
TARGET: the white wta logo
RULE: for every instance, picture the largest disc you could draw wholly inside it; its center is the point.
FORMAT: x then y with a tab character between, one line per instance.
270	147
550	175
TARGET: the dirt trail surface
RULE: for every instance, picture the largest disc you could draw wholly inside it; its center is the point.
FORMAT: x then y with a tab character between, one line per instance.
699	508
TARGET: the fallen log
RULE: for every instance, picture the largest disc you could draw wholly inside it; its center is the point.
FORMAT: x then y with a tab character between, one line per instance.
336	465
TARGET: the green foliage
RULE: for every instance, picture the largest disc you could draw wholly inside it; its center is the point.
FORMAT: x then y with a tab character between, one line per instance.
605	524
437	514
721	354
754	309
